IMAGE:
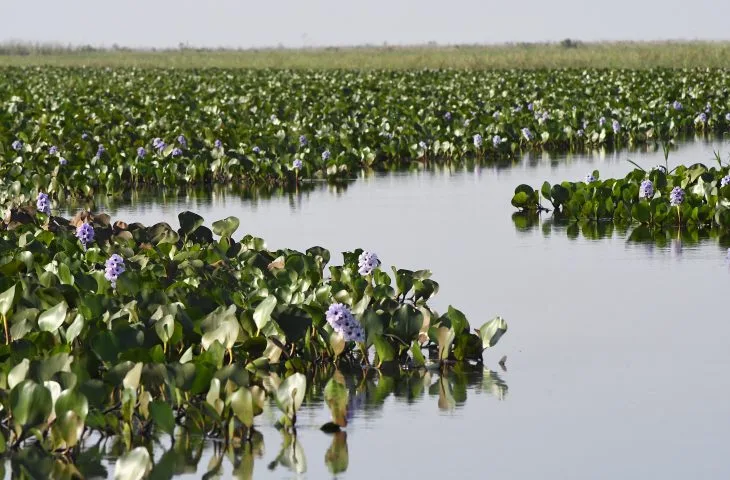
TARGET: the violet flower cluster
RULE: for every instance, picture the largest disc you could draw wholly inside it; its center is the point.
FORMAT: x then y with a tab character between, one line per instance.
676	196
85	234
344	322
43	204
367	262
114	267
646	190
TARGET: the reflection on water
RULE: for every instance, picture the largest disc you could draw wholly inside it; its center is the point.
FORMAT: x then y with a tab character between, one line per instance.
669	239
184	455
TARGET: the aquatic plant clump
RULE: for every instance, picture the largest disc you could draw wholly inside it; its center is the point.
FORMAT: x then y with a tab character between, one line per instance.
693	196
135	330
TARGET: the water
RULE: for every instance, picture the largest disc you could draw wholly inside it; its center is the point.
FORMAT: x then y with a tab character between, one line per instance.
617	352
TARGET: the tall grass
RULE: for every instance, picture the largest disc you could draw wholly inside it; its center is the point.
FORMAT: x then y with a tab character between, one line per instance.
567	54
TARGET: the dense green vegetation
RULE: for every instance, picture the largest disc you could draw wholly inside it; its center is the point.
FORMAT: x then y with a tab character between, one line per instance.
695	196
566	54
80	131
126	330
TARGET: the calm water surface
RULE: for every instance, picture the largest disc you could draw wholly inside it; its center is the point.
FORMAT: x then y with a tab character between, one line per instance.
617	353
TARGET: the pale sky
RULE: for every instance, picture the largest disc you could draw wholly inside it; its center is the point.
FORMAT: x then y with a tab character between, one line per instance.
296	23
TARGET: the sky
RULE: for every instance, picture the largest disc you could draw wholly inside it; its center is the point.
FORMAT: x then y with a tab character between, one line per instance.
315	23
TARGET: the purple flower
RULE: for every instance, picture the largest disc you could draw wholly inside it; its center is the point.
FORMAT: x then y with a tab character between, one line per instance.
447	116
590	178
326	155
676	196
496	115
84	136
53	150
580	133
218	144
676	105
725	181
616	126
527	134
517	109
530	106
141	152
602	121
17	145
62	161
182	141
85	234
43	204
727	117
100	150
297	164
114	267
496	141
161	146
478	140
157	142
302	140
646	190
343	322
256	149
367	262
701	118
176	152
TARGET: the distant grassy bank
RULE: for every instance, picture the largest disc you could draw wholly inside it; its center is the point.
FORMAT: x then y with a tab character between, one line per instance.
566	54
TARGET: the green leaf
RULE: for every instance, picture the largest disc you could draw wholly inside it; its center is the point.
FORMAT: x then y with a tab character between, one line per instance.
75	328
51	319
492	331
290	394
385	351
134	465
64	274
407	322
262	314
162	415
445	337
336	396
226	227
133	376
6	300
18	373
242	406
294	323
189	222
30	403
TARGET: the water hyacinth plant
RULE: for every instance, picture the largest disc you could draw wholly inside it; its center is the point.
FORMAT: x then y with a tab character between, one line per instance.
699	194
202	329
